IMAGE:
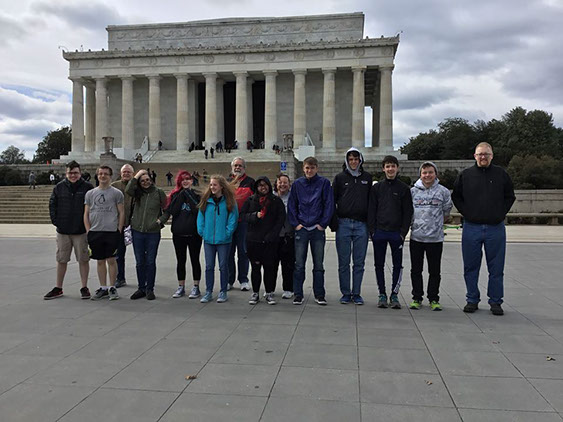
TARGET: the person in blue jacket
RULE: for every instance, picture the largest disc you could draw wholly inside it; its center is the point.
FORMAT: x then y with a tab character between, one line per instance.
310	208
216	223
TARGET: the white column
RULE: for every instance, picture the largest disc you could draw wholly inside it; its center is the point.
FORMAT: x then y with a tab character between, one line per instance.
329	109
358	104
270	111
241	113
90	117
299	108
220	113
127	113
101	113
249	110
386	108
77	142
154	111
210	109
192	112
182	108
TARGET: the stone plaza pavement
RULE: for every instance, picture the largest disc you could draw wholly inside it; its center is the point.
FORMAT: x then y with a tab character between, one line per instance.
74	360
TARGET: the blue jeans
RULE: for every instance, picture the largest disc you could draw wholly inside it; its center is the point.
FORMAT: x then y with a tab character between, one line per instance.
380	240
316	238
473	238
238	244
145	246
351	241
222	251
121	251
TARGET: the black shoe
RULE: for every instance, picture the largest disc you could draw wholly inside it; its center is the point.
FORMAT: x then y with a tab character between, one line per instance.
138	294
84	293
470	307
321	300
150	295
53	294
496	309
298	300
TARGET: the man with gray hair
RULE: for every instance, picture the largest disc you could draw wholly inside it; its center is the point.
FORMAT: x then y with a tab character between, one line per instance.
483	194
244	186
126	175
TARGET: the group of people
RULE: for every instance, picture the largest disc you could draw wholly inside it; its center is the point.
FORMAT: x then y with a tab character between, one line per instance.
266	225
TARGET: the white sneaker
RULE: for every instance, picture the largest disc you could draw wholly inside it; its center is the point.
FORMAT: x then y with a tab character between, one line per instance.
270	299
287	294
112	291
245	287
254	299
266	294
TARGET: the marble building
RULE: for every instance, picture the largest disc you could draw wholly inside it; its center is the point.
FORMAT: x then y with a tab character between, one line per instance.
194	84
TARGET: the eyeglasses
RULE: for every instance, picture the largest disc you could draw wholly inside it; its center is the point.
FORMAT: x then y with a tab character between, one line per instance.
485	154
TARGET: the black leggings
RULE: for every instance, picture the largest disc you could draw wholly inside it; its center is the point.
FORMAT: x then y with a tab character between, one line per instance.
286	255
263	255
193	244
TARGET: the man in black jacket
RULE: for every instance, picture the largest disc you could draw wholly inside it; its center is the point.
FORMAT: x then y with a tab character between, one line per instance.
66	207
351	189
389	219
483	194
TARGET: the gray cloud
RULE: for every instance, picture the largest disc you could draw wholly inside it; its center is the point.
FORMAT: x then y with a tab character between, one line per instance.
421	97
91	15
15	105
11	29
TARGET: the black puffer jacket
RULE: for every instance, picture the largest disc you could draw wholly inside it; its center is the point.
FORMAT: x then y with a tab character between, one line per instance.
184	208
266	229
66	206
390	207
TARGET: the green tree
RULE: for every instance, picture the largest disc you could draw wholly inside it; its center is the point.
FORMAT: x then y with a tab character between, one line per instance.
54	144
13	155
424	146
459	139
532	172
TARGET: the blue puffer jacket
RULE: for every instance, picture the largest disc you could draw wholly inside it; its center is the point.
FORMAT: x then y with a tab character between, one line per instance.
216	225
311	202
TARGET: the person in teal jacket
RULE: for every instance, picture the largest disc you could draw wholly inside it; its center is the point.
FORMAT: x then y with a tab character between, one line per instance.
216	222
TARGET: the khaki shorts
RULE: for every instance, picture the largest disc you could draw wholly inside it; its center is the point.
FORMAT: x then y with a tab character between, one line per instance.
65	244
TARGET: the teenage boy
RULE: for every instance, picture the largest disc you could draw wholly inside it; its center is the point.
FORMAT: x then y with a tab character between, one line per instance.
432	205
389	218
351	195
66	208
103	219
126	176
310	208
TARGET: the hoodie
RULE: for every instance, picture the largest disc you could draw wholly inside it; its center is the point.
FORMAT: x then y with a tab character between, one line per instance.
351	190
431	205
267	228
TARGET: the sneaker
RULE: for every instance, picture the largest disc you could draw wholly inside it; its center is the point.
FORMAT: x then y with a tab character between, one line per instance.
207	297
222	297
266	294
470	307
180	292
138	295
150	295
415	304
120	283
321	300
496	309
112	291
84	293
298	300
194	293
394	302
357	299
254	299
270	299
100	294
435	306
287	294
55	293
346	299
229	286
245	287
382	303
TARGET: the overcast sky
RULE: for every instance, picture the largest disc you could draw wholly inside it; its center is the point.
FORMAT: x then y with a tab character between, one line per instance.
475	60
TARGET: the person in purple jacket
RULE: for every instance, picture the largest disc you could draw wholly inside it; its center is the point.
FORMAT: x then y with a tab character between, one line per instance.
310	208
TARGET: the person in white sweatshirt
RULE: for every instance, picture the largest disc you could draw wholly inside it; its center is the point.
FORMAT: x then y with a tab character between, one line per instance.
432	205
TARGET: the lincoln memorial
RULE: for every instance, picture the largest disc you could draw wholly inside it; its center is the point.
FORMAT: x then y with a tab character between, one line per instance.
190	85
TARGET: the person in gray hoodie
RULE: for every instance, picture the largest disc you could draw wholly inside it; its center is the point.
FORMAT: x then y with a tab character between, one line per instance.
432	205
